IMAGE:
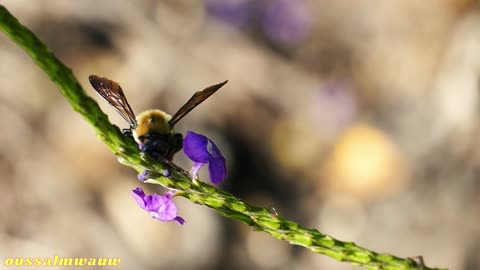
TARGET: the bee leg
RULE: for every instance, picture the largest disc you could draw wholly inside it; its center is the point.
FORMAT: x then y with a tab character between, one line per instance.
150	148
127	132
176	143
152	153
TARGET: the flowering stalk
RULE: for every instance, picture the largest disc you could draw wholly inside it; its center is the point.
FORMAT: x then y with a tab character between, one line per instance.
226	204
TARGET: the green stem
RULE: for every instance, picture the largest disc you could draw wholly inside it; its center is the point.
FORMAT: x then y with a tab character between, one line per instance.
226	204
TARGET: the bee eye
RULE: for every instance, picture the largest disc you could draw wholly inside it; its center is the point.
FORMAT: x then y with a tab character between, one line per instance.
151	120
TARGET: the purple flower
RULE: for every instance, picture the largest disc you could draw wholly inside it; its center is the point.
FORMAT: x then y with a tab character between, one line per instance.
160	207
143	176
236	13
201	151
286	22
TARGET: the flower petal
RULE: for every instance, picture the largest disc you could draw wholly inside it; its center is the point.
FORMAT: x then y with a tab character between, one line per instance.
139	196
167	210
153	202
213	150
169	194
217	169
195	147
195	168
160	207
180	220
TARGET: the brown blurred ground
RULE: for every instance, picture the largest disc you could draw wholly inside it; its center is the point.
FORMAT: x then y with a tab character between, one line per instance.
365	126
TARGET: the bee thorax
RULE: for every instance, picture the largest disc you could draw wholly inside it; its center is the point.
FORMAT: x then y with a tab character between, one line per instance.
152	121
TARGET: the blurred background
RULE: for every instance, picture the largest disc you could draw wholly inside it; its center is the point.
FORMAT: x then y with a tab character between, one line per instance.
359	118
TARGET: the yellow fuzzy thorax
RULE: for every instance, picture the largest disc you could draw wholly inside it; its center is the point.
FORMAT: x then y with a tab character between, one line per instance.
152	121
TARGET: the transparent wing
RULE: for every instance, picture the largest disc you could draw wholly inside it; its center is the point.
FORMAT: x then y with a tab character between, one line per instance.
113	94
194	101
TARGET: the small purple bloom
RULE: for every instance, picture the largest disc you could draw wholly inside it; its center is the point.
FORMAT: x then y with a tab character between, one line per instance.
159	207
201	151
143	176
142	146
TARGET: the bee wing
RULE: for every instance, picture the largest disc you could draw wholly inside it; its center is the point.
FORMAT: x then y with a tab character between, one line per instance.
113	94
194	101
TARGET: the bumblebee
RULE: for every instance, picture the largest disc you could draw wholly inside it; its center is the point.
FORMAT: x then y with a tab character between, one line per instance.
153	130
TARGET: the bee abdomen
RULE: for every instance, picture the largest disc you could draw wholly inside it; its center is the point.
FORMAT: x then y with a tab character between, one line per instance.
161	145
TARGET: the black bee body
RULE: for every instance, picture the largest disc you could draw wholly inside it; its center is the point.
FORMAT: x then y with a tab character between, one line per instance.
161	145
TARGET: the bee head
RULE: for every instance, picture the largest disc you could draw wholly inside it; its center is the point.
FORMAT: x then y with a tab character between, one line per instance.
152	121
